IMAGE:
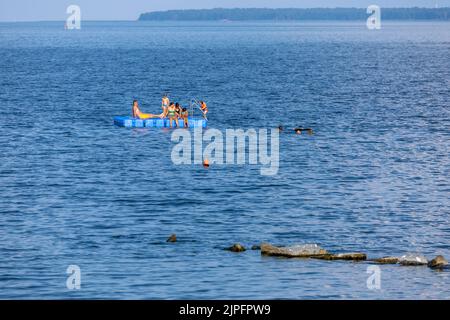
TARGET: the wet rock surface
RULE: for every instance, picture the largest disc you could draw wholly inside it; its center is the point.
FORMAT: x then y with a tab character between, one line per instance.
386	260
314	251
438	263
172	238
353	256
413	260
295	251
237	247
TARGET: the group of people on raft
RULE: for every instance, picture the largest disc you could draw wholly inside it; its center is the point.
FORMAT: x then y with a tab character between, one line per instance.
172	111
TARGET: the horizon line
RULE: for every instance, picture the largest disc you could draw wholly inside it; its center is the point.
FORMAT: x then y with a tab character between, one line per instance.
168	10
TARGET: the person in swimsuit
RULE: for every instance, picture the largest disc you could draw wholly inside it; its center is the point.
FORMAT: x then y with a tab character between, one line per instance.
203	108
172	114
136	112
184	116
165	105
178	109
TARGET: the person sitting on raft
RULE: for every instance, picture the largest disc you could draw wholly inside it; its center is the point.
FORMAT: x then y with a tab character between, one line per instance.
172	114
136	112
164	105
203	108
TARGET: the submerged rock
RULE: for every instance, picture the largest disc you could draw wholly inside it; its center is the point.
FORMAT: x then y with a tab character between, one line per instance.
386	260
237	247
354	256
438	263
256	247
413	260
172	238
296	251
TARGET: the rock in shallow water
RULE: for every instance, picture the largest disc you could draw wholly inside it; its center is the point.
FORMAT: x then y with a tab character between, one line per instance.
354	256
438	263
256	247
386	260
296	251
172	238
413	260
236	248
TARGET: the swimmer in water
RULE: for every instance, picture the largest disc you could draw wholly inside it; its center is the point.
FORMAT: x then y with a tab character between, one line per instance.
136	112
300	130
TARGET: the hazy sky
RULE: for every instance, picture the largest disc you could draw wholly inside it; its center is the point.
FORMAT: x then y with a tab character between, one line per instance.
33	10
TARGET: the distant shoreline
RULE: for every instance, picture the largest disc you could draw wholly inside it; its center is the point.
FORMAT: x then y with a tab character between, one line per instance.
62	22
292	14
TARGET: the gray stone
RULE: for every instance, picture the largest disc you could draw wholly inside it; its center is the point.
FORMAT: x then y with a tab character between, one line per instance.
413	260
295	251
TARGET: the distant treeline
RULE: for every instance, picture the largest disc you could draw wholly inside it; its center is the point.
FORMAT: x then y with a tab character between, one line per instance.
297	14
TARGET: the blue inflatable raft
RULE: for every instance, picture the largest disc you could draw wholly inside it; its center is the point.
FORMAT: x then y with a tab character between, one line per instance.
129	122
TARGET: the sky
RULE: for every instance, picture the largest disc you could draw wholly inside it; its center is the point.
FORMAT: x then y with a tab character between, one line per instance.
41	10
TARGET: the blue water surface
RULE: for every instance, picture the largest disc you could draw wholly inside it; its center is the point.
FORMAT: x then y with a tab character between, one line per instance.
76	190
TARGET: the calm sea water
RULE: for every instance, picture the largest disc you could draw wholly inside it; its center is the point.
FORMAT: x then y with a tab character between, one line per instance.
76	190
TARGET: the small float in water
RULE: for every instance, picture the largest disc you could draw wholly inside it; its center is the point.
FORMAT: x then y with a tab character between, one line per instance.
130	122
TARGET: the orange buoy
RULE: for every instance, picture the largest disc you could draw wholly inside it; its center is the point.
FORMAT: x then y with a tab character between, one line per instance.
206	163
